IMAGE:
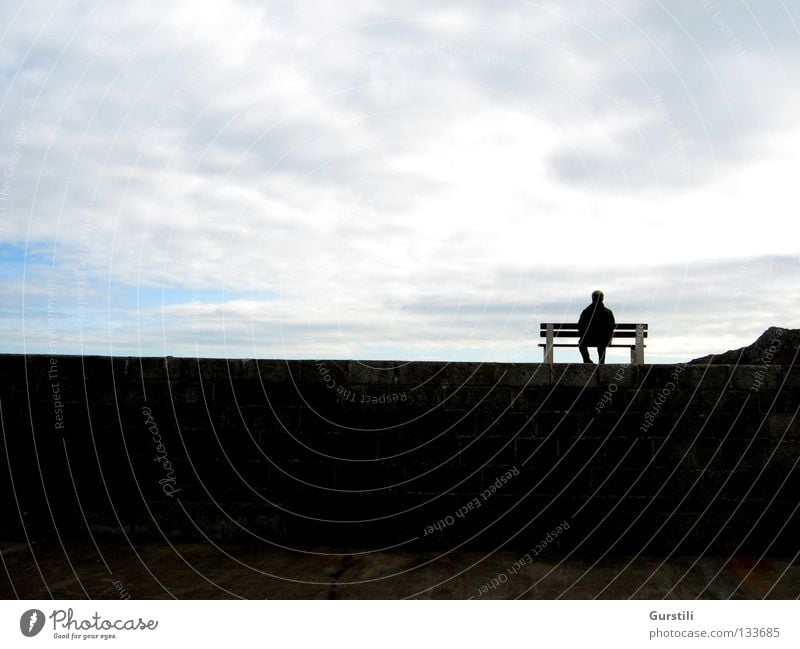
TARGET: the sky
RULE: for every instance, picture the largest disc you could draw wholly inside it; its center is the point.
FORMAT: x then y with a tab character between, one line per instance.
402	181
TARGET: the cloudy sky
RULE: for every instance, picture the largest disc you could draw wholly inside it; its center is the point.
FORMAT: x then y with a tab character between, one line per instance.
375	180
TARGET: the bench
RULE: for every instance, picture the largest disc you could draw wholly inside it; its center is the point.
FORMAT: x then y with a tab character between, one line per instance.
552	330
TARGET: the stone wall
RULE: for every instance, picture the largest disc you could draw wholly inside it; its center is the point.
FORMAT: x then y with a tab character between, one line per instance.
617	459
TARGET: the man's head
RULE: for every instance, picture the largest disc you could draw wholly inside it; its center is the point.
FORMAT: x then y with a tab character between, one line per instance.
597	296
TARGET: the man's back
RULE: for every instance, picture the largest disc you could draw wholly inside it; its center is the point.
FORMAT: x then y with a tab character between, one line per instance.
596	324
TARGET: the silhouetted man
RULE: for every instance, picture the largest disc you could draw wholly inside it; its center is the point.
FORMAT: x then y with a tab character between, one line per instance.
595	326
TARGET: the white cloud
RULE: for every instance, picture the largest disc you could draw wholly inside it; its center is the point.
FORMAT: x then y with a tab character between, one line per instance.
359	164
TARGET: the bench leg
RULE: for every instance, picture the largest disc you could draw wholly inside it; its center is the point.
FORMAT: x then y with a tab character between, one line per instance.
548	346
639	357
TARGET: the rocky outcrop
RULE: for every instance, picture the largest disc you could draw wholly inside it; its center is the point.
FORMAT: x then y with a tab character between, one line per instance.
776	346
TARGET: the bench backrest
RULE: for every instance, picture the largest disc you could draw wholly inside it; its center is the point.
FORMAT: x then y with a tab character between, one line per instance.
570	329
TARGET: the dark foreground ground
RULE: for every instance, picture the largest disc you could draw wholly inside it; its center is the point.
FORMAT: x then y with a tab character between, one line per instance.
197	571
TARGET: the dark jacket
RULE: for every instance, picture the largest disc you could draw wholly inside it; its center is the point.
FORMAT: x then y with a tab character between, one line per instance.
596	325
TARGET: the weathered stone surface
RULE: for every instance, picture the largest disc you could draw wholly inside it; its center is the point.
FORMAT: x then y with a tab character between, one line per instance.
379	450
575	376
